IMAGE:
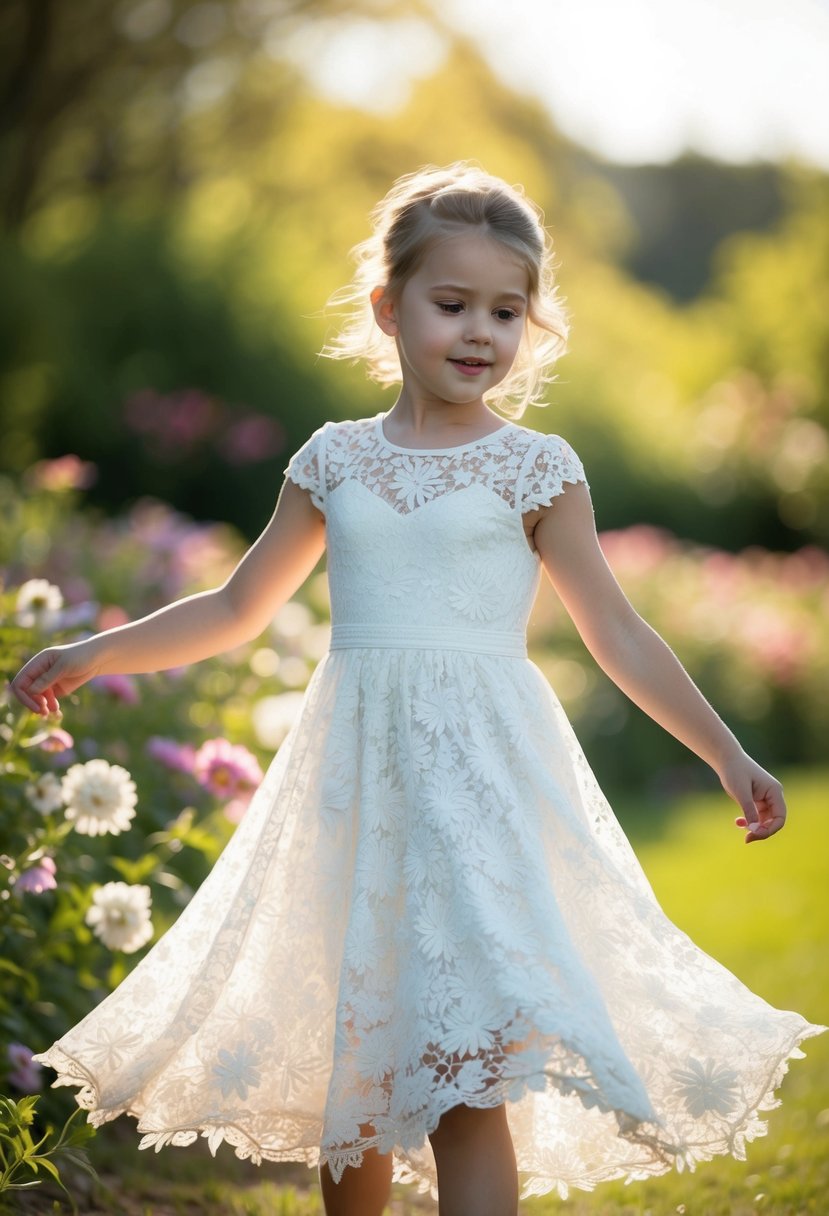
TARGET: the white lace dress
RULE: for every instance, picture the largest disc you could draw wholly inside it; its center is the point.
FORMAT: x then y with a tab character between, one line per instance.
429	901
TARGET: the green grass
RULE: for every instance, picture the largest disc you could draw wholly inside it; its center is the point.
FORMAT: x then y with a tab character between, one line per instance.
762	910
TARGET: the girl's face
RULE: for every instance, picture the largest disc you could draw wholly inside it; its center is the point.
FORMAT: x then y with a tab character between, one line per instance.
458	321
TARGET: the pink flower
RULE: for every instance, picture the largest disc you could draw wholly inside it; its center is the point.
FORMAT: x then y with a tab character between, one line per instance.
120	688
227	770
25	1073
64	473
57	740
111	616
38	878
235	810
251	438
173	424
177	756
637	550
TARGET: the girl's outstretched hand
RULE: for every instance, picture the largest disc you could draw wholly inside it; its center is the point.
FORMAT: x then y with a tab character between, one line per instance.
759	794
51	674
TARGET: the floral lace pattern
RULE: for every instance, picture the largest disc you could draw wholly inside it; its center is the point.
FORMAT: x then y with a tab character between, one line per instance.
525	469
429	901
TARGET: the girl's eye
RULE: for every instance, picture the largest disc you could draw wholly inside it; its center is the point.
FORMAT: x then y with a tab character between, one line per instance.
451	306
506	314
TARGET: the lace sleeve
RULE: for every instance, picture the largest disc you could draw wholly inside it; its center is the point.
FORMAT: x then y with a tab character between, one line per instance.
307	467
550	465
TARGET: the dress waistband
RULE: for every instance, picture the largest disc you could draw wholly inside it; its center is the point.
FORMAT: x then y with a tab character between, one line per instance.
507	642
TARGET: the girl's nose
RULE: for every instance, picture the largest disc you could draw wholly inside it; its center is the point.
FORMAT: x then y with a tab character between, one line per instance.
478	326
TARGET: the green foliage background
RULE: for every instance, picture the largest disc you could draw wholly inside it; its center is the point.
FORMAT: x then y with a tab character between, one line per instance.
178	203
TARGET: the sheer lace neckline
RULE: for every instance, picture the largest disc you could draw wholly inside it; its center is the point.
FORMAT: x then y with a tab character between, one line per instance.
458	447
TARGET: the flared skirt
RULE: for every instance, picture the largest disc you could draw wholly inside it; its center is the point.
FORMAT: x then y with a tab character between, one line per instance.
429	902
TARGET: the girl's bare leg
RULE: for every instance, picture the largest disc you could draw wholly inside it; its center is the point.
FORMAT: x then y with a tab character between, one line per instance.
476	1163
363	1190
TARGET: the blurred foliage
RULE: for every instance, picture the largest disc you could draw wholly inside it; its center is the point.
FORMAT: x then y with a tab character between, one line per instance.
682	212
178	203
138	362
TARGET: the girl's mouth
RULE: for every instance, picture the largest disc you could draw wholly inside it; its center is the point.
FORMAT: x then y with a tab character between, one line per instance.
470	367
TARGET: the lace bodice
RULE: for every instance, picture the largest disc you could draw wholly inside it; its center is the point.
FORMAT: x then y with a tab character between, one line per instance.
432	538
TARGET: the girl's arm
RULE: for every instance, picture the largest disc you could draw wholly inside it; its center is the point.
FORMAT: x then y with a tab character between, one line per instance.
640	662
198	626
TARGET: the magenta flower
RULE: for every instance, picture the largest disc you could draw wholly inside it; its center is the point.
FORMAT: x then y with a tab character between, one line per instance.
179	757
251	438
56	741
38	878
120	688
26	1073
174	423
227	770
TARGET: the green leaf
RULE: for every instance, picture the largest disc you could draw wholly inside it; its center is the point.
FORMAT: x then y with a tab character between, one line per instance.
135	871
48	1165
79	1159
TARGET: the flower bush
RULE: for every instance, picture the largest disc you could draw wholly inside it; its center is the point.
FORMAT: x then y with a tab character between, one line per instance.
749	627
111	816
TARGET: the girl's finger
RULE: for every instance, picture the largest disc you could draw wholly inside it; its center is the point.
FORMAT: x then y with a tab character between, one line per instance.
26	699
46	678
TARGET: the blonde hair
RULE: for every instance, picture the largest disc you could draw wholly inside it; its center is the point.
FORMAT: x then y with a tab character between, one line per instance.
420	209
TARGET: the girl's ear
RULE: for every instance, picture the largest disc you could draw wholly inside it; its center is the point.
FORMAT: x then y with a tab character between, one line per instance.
384	311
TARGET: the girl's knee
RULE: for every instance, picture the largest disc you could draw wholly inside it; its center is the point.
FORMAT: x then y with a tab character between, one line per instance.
462	1122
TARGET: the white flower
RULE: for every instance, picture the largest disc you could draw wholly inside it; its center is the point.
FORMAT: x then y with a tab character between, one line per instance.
417	484
38	604
423	854
436	709
492	850
706	1087
100	797
437	936
45	793
476	595
379	867
374	1053
236	1071
120	916
466	1025
450	802
113	1045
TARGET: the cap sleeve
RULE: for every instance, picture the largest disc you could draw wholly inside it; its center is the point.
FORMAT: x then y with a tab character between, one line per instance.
551	464
306	468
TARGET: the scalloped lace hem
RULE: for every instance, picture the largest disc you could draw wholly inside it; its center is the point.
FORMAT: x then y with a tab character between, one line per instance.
659	1156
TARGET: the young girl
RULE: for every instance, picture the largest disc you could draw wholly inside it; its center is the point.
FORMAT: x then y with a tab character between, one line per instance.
429	950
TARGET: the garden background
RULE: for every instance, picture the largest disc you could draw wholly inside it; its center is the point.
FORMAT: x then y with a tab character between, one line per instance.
177	201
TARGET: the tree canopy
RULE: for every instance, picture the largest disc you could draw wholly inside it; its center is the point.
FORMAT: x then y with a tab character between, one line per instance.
178	202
